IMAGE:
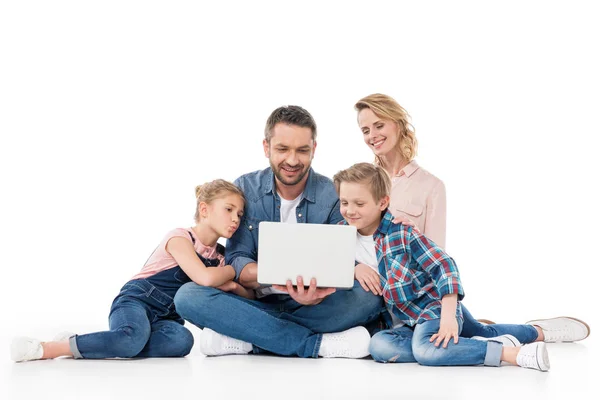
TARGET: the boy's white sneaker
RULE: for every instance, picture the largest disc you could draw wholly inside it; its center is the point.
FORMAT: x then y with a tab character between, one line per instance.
562	329
506	340
535	356
352	343
215	344
26	349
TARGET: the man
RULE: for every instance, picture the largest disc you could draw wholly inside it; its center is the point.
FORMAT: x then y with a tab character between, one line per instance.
284	320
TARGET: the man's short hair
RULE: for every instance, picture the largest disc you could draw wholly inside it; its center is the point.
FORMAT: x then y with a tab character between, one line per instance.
290	115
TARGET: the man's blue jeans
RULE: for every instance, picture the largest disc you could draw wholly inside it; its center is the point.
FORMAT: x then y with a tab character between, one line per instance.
276	323
397	345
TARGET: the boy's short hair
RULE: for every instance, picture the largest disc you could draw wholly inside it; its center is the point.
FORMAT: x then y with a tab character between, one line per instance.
374	176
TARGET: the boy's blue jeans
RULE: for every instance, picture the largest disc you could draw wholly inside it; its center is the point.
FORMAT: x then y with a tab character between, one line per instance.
143	323
276	323
405	344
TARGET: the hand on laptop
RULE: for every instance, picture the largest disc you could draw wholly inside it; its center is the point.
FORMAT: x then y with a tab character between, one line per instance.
307	297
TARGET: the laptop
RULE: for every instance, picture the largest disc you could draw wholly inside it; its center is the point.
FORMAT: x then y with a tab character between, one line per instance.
324	252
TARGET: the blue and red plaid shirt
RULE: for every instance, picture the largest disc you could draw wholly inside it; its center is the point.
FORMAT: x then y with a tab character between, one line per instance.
416	272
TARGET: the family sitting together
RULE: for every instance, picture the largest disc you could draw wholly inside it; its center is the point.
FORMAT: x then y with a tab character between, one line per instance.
407	291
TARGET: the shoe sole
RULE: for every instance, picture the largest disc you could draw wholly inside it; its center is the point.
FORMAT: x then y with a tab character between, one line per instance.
574	319
486	321
545	360
512	339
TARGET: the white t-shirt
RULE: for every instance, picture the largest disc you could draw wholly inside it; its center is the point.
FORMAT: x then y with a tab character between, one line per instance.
287	215
365	254
288	210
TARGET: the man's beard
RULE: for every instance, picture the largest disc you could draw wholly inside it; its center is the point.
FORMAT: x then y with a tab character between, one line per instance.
289	181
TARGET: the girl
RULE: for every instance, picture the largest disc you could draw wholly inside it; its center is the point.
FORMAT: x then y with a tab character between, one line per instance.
143	321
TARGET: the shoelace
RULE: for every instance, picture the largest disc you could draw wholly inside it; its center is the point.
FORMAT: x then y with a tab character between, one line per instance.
32	349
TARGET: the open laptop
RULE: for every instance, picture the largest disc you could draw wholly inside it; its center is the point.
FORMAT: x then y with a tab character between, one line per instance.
324	252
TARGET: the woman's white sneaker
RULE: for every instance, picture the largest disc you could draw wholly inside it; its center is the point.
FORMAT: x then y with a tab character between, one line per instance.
26	349
562	329
535	356
351	343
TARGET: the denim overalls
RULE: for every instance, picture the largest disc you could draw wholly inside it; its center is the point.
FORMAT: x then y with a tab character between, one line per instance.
142	320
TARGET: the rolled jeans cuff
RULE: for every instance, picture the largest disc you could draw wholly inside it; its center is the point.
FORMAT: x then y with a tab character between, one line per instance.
73	347
493	354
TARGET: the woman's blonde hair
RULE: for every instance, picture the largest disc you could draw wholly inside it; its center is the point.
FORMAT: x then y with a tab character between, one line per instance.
216	189
385	107
374	176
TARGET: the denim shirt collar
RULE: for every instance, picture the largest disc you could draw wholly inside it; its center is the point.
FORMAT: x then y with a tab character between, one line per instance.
310	190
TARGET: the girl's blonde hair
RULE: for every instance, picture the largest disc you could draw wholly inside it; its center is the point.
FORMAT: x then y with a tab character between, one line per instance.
216	189
374	176
385	107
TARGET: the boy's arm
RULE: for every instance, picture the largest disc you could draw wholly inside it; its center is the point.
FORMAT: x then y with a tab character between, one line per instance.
434	260
448	322
444	272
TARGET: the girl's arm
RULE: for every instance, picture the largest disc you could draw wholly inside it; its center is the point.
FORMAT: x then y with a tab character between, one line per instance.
238	289
184	253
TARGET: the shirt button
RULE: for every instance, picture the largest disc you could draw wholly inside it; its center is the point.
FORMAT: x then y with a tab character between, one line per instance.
249	226
299	215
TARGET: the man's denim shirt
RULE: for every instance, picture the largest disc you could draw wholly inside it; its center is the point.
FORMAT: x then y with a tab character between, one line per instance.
319	205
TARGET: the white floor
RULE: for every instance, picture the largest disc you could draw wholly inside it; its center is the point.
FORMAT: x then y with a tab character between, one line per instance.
572	376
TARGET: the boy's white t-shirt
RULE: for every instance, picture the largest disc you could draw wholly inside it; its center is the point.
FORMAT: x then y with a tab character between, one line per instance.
365	254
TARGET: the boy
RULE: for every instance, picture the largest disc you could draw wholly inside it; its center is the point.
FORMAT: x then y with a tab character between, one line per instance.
420	285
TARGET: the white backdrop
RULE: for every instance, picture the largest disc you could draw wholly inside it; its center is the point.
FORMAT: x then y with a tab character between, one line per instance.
111	112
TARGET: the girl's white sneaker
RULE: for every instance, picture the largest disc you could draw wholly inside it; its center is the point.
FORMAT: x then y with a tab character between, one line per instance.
26	349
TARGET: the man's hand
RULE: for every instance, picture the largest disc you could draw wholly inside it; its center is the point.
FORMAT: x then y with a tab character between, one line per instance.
368	279
307	297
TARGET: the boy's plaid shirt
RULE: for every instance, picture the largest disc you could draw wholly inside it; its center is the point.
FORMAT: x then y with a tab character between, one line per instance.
416	272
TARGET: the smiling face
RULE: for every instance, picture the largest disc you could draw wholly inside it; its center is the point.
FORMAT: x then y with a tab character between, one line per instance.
359	208
223	214
381	135
290	152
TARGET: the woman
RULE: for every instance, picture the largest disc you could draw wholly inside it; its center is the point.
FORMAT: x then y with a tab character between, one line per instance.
420	196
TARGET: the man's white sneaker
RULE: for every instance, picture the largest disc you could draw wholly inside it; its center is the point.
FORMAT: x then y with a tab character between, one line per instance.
562	329
352	343
215	344
535	356
506	340
26	349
